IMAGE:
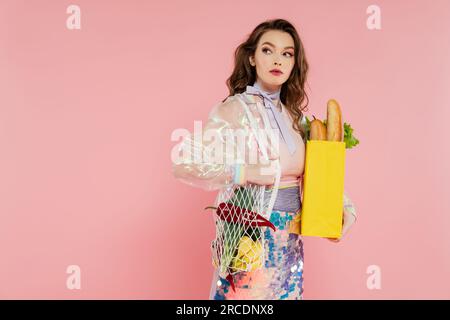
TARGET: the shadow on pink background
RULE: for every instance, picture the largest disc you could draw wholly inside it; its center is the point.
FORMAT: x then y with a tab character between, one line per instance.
86	118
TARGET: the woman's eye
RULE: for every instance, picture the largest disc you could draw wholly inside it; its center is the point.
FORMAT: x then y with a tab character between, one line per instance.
266	49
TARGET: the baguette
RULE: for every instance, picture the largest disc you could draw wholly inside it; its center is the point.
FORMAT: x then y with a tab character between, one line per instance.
334	121
318	130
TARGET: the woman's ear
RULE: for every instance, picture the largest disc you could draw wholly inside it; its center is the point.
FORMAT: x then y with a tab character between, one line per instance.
251	60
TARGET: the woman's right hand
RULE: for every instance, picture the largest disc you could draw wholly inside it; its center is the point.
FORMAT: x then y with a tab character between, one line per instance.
261	174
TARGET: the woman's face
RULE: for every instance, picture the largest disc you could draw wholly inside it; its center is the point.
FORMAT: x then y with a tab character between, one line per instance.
275	50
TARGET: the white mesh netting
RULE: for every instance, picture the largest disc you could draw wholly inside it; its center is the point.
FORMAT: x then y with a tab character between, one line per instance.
240	223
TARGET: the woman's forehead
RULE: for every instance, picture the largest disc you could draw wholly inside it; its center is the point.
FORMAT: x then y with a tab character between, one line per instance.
277	38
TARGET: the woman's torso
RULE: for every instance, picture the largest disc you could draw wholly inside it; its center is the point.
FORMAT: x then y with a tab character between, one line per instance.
292	166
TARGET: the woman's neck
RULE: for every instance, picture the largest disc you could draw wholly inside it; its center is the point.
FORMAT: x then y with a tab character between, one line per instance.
267	89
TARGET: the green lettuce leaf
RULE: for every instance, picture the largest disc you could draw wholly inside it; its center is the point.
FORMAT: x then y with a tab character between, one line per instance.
349	139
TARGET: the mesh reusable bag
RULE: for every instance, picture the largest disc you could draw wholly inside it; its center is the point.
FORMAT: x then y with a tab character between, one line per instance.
241	216
240	221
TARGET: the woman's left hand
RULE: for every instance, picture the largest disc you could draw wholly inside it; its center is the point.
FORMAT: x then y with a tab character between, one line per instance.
347	221
348	217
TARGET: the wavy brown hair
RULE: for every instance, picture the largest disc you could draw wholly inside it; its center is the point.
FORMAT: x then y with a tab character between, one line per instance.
292	94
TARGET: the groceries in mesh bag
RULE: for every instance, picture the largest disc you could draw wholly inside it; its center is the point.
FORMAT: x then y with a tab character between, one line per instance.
249	256
239	241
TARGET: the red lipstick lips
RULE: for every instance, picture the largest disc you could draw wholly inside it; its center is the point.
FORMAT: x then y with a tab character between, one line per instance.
276	72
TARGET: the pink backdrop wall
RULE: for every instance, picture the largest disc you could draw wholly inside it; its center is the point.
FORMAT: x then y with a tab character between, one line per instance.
86	118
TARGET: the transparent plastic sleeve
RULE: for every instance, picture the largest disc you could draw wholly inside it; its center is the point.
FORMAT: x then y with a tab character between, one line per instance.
207	162
350	215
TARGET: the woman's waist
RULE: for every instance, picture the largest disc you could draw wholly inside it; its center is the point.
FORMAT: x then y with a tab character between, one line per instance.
290	182
288	198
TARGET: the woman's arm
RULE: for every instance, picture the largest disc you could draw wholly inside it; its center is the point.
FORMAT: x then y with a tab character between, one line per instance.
349	214
349	217
210	170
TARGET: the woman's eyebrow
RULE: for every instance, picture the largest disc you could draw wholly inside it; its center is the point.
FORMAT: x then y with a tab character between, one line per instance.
270	44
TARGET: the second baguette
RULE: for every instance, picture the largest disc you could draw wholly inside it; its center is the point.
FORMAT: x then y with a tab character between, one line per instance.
334	121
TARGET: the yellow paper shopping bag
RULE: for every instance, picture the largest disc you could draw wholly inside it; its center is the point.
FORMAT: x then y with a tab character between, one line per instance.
323	189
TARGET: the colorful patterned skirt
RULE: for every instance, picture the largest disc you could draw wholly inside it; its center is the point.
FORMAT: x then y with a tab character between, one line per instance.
281	276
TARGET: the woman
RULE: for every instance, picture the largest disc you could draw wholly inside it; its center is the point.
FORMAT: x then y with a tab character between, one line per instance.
270	70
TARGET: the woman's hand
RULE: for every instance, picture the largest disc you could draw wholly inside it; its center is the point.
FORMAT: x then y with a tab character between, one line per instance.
347	221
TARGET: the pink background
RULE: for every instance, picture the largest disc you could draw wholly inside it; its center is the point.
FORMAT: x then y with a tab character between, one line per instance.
86	118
